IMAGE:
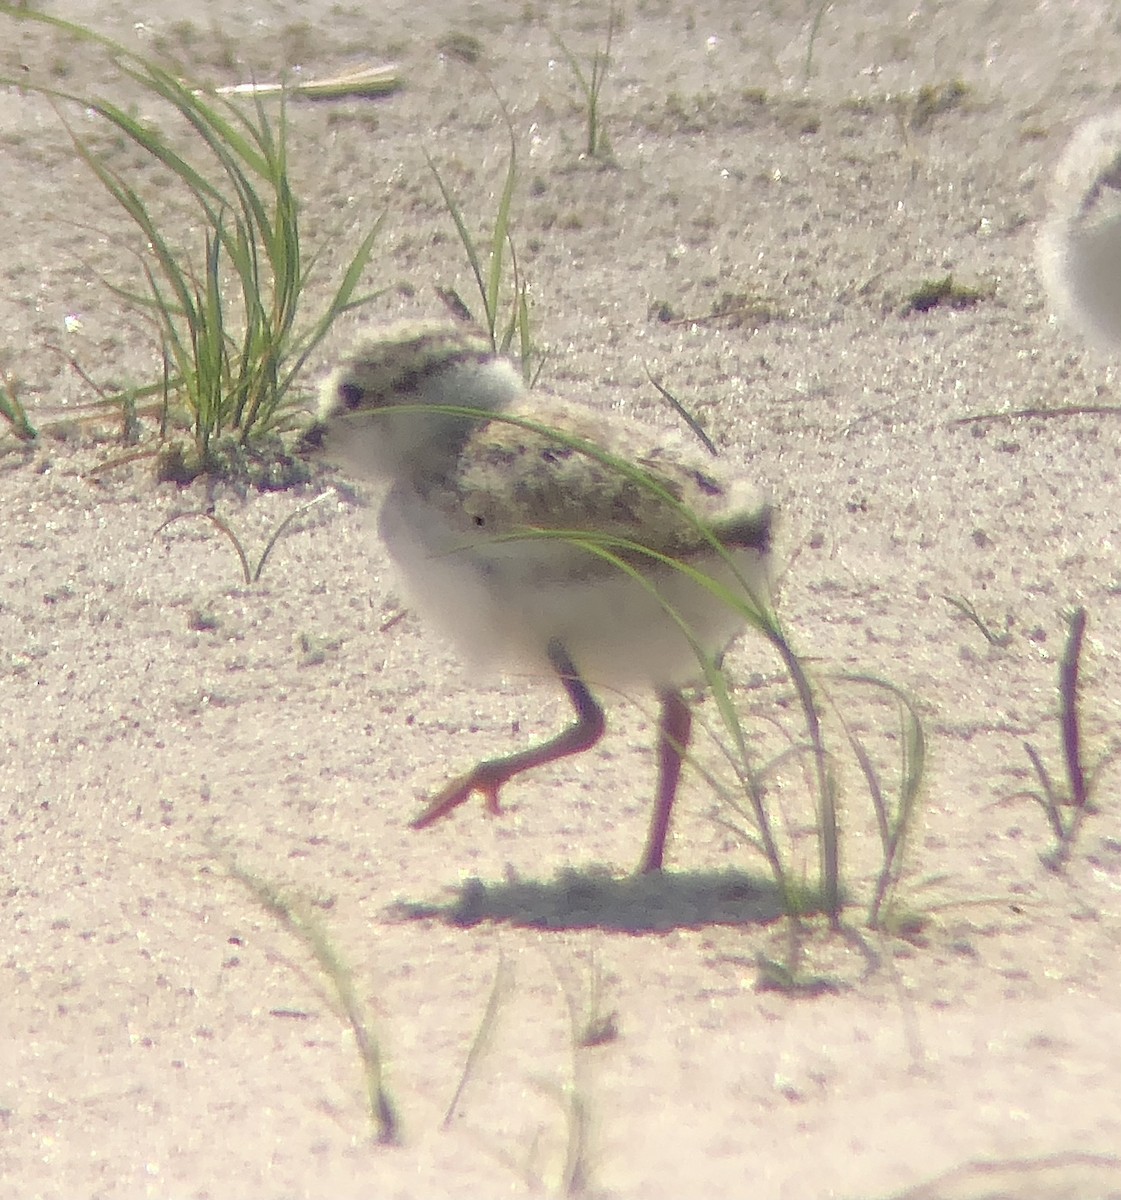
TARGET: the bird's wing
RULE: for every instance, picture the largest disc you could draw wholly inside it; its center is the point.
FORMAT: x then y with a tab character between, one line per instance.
510	478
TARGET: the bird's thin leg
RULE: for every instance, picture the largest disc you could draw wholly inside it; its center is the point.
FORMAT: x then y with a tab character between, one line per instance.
674	728
488	777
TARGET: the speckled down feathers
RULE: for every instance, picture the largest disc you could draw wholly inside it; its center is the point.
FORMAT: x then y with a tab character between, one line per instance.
474	495
508	478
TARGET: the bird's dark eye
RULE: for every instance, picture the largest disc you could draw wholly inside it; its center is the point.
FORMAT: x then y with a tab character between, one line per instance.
350	394
480	521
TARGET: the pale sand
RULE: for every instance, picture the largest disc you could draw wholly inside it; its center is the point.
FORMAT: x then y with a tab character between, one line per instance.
161	1036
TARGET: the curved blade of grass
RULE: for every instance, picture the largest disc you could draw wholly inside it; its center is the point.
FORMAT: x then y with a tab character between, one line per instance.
220	525
894	830
466	240
683	413
766	621
503	979
500	235
303	925
278	532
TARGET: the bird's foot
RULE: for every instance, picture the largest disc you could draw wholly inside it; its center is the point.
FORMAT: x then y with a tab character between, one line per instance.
483	778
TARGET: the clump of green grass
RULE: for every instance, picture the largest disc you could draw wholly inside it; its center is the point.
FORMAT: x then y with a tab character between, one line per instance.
590	1026
943	292
934	99
894	817
760	812
295	915
562	1165
1067	807
590	81
229	319
751	801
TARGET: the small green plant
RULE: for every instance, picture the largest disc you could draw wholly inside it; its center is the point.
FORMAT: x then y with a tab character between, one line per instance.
590	82
552	1165
752	779
934	99
1068	807
250	574
893	821
13	411
576	1170
936	293
966	608
295	915
506	321
590	1026
228	323
760	807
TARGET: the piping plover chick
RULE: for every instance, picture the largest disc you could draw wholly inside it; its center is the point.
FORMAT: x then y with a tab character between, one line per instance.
1079	247
484	517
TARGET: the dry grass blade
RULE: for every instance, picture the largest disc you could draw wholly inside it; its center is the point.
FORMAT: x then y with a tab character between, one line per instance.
683	413
222	528
1073	410
1003	640
815	29
1069	670
363	81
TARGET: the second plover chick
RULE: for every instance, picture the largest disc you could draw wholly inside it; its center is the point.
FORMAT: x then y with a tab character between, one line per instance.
534	551
1079	247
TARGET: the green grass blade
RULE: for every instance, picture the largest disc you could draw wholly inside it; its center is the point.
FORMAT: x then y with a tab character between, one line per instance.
282	528
465	237
343	301
13	411
500	235
222	527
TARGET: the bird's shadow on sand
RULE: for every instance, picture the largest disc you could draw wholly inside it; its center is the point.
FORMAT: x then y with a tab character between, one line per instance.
593	898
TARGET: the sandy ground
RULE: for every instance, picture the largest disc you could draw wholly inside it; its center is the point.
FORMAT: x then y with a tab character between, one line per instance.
163	1036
